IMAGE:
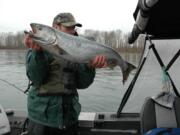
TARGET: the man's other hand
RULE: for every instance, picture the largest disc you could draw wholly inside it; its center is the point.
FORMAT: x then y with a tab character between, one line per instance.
31	44
98	62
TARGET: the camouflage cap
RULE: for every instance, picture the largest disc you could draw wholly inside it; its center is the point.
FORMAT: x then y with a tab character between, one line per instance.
66	19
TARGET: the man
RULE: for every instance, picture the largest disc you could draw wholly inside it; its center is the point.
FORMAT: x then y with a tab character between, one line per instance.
53	103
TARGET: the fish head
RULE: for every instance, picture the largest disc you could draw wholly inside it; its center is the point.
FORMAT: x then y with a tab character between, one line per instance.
42	34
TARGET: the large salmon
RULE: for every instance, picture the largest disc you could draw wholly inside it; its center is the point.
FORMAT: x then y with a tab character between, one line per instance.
76	48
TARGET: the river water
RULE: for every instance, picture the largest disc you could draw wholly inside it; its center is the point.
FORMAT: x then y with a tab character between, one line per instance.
106	92
103	95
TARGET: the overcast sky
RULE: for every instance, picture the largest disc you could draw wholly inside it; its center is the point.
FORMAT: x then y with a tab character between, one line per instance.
16	15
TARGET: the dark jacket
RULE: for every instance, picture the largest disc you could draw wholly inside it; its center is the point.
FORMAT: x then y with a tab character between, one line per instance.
51	110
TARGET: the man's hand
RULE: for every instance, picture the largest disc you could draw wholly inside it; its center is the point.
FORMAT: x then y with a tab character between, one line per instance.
31	44
98	62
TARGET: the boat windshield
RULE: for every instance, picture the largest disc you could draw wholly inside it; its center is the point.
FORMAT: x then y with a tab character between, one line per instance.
149	82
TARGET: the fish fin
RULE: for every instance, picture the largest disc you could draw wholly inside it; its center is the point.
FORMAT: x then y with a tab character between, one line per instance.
112	63
126	73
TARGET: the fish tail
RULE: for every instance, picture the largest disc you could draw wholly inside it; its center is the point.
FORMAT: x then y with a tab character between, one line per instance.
126	72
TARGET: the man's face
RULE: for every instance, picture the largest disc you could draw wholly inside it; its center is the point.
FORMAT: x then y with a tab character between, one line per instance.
69	30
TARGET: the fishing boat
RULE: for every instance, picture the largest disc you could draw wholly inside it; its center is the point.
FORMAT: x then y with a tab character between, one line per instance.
159	22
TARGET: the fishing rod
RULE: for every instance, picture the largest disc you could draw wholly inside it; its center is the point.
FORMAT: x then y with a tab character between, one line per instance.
14	86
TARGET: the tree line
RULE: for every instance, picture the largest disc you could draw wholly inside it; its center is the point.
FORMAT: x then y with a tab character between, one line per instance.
115	39
12	40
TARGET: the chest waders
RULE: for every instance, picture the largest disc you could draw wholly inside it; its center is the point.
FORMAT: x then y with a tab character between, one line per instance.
61	81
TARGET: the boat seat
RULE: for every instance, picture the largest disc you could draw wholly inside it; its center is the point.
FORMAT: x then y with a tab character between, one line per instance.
153	115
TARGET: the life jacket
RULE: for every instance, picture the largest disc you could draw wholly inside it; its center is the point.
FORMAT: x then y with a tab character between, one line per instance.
164	131
61	80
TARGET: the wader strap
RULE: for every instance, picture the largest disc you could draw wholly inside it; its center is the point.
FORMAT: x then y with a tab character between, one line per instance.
162	66
165	117
67	110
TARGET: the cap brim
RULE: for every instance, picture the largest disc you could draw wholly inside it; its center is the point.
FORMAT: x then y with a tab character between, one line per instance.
69	24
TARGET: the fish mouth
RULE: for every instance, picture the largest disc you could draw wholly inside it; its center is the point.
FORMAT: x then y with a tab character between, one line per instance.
32	32
34	35
28	32
33	25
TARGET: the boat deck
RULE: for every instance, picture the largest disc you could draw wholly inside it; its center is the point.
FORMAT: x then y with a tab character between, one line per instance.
90	123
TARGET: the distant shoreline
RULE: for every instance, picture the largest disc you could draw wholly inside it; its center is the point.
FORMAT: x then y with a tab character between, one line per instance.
122	50
13	48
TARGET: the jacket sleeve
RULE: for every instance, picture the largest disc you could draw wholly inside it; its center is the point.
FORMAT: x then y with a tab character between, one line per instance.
85	76
36	66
